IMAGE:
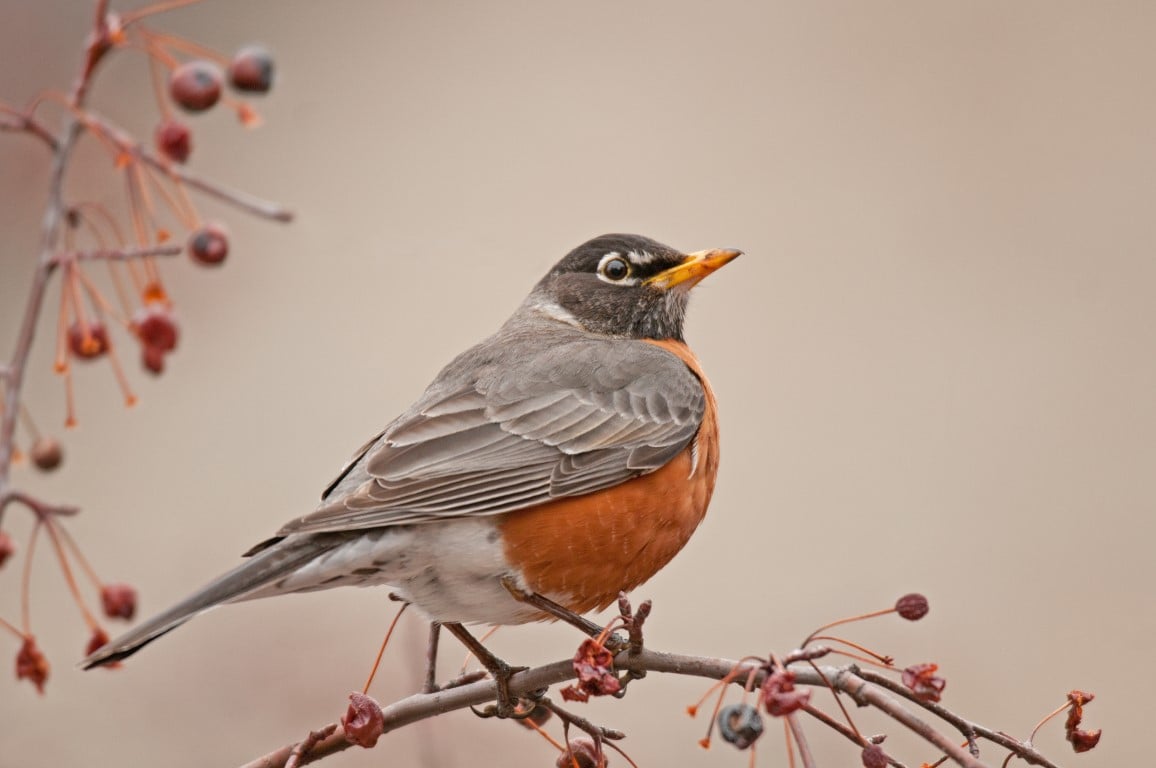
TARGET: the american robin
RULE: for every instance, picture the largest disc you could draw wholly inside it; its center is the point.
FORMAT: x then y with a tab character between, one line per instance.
564	459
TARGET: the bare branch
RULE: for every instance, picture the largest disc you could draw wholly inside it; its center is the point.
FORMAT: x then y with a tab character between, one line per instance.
965	727
27	124
242	200
118	254
868	693
38	507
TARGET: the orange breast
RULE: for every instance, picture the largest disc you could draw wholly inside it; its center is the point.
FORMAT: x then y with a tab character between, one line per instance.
583	550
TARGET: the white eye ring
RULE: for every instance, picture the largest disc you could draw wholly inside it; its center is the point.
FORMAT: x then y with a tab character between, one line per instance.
614	268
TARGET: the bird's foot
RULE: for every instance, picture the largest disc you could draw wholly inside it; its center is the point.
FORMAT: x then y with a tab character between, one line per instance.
507	704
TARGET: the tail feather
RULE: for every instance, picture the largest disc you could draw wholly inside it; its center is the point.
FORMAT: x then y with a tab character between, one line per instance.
264	568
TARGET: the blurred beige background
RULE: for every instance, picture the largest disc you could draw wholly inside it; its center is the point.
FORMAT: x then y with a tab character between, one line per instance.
935	362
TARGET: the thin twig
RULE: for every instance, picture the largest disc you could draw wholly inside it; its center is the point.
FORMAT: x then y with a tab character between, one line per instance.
242	200
876	696
838	727
118	254
27	124
964	726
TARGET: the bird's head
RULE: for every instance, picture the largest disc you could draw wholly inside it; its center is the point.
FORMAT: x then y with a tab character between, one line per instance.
626	286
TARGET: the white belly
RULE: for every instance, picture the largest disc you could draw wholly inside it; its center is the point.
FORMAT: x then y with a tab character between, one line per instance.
451	570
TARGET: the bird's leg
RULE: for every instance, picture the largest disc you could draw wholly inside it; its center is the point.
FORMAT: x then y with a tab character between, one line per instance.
546	605
507	705
431	655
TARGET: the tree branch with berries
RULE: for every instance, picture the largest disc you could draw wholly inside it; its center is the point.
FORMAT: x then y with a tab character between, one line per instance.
106	267
793	689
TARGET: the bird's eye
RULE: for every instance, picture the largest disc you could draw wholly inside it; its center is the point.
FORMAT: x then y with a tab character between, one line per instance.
616	269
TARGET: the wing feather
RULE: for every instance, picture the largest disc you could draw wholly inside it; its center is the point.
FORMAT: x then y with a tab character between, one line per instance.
570	420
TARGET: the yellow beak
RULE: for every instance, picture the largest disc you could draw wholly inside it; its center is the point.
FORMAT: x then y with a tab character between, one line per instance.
693	269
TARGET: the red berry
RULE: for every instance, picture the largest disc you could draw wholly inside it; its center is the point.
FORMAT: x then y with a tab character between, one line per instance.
912	607
118	601
251	70
195	85
209	245
47	453
156	327
174	140
88	341
153	359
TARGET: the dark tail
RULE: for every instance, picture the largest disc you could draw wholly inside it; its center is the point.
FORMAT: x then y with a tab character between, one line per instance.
265	567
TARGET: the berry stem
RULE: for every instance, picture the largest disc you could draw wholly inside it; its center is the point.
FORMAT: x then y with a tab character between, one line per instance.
26	579
189	47
132	17
886	661
381	650
843	709
847	620
1046	718
12	628
50	525
790	743
187	218
81	559
542	732
29	424
800	740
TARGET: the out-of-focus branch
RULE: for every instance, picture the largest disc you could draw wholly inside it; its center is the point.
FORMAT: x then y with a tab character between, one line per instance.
120	254
18	122
244	201
54	213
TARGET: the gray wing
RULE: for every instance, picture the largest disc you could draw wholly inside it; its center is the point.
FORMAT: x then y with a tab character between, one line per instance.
570	420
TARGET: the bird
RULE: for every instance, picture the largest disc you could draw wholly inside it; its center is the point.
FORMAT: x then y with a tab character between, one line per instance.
561	461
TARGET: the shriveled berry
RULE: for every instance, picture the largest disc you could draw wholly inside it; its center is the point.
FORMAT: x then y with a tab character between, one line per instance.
912	607
32	664
174	140
7	547
118	601
583	753
209	245
779	695
195	85
740	724
923	682
364	722
873	756
88	341
47	453
251	70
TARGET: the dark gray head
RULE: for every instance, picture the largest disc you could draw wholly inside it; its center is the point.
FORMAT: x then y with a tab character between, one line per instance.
626	286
